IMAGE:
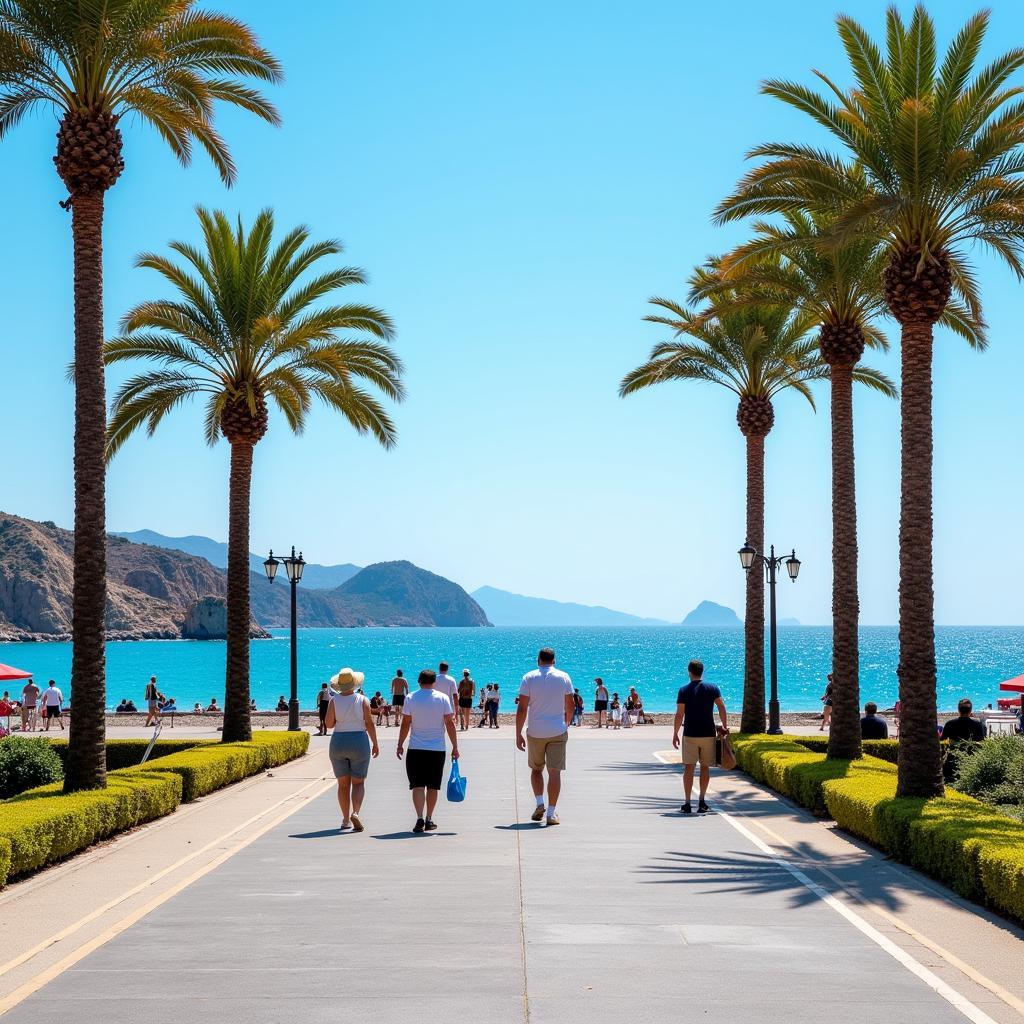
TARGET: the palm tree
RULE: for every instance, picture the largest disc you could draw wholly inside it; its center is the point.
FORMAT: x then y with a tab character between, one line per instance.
95	61
756	351
243	329
839	287
940	153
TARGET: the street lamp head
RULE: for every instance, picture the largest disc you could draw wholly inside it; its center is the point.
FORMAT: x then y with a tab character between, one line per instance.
793	566
293	566
270	566
747	555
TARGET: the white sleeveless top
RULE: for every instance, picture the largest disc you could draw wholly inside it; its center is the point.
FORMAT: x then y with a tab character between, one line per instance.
348	712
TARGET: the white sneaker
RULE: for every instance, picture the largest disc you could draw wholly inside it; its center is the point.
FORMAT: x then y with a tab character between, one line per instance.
553	819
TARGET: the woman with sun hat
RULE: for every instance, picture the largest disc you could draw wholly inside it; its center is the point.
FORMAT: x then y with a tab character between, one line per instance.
353	743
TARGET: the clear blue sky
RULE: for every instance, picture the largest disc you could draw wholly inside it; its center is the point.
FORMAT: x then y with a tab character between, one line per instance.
517	180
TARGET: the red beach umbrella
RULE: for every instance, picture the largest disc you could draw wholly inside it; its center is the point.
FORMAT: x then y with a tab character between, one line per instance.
1015	685
9	672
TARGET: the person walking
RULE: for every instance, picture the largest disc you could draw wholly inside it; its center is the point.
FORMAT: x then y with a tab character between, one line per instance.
545	709
399	691
826	700
427	716
446	684
695	706
493	706
467	691
152	702
577	711
29	703
353	743
52	701
485	694
323	702
600	700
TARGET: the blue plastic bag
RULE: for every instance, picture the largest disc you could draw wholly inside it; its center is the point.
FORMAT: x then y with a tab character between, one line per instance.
456	785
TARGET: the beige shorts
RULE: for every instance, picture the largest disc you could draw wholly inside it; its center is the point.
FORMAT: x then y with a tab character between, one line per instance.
700	748
547	752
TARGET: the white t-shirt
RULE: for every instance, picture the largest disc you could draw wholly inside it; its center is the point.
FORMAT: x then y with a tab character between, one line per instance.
348	712
52	697
547	688
427	708
601	693
446	685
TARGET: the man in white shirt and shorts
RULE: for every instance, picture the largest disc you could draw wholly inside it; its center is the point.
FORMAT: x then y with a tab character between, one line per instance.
52	700
446	684
546	705
427	716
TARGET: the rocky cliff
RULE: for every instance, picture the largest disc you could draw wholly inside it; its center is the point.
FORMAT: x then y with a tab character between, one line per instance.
152	591
207	619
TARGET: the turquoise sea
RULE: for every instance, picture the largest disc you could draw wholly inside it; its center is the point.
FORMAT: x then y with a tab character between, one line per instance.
972	661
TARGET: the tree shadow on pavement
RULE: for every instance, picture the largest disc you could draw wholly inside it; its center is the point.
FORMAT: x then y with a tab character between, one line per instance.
640	768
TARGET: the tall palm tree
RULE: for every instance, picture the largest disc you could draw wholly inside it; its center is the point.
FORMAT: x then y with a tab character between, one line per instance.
839	286
939	147
95	61
246	326
756	351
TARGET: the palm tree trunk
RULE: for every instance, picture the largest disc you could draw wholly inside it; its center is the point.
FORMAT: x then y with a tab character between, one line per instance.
87	761
919	766
844	736
237	723
753	624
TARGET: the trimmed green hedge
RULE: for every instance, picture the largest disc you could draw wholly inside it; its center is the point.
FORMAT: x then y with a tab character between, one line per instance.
43	825
128	753
957	839
884	750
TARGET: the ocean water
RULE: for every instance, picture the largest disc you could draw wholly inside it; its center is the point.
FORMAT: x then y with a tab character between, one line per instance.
972	661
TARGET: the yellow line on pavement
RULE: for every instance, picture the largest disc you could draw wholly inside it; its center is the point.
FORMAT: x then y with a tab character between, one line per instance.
15	997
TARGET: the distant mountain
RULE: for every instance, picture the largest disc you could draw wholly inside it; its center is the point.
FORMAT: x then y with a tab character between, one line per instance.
710	615
506	609
166	593
789	622
319	577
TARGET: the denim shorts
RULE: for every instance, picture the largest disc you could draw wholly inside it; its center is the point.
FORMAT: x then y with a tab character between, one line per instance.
350	754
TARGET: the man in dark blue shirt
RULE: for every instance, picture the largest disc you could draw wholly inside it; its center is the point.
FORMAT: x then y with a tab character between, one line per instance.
695	712
871	726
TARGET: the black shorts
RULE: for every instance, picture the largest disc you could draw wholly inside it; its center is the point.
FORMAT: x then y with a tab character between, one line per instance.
600	705
466	702
397	699
425	768
52	711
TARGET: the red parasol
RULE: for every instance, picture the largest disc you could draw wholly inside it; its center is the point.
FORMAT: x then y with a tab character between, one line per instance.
9	672
1015	685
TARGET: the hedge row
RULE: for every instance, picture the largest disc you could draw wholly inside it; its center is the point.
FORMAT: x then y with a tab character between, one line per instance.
43	825
128	753
884	750
957	839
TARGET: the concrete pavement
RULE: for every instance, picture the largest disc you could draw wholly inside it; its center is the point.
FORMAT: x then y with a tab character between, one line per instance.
627	910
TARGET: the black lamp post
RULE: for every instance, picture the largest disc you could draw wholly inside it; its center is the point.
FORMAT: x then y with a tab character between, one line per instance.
293	567
748	556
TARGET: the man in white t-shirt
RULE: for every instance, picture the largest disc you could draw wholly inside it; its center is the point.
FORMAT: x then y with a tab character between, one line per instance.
426	716
446	684
546	705
52	700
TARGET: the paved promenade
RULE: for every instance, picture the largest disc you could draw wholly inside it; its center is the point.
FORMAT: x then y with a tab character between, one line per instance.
627	911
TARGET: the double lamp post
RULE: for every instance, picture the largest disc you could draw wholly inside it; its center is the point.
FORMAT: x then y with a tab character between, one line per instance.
293	567
748	556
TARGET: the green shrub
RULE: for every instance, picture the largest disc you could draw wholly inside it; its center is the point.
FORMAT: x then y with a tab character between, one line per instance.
128	753
959	840
44	826
992	771
25	764
884	750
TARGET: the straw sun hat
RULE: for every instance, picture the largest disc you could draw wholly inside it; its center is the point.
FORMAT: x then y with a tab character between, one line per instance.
346	681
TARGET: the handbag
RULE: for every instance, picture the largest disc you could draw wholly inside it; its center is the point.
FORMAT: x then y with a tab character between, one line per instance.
726	757
456	785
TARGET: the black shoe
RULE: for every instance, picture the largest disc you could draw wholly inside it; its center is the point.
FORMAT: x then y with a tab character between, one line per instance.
419	826
702	808
430	826
686	808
